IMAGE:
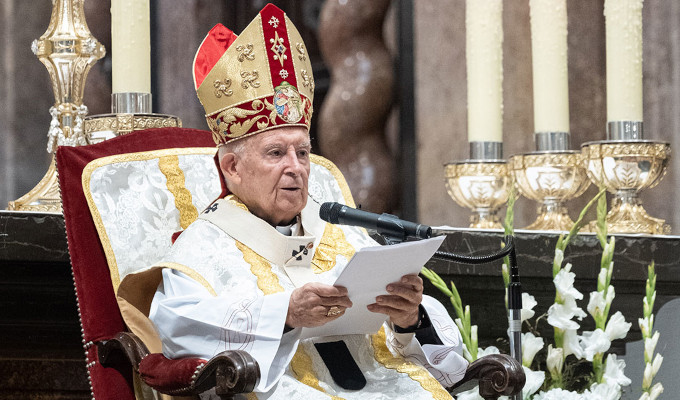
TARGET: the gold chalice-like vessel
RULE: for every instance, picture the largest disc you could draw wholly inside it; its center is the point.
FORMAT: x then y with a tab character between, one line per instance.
550	178
625	167
481	184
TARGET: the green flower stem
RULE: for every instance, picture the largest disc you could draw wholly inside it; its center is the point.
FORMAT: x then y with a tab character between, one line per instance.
580	222
463	320
509	228
598	367
648	315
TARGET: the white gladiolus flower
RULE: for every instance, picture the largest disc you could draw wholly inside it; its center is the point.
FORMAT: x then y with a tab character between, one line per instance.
645	396
644	326
602	277
528	304
560	394
656	364
530	346
650	345
647	376
656	390
533	383
613	371
489	350
564	284
466	353
571	344
617	327
560	315
596	305
559	257
555	360
605	391
593	343
610	295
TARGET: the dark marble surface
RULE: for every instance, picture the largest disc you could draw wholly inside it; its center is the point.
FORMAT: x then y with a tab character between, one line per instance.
31	236
41	354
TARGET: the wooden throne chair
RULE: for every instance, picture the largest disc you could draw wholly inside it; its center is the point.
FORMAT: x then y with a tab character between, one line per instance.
123	199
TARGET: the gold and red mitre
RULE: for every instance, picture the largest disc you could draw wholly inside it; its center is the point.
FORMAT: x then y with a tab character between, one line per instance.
257	81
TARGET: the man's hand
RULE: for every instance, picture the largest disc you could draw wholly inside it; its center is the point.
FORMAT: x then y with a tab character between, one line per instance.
402	301
310	304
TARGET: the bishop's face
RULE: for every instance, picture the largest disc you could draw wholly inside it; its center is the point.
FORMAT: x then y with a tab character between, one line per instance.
270	175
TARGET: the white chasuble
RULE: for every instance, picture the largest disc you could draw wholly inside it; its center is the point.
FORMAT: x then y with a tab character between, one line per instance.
226	285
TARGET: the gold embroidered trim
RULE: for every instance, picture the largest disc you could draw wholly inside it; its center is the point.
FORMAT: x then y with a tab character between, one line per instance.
301	365
236	201
222	88
344	187
416	372
246	51
251	396
176	184
96	216
189	272
267	280
333	244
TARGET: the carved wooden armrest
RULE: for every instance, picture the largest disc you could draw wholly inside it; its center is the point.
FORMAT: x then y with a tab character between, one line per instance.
229	372
498	375
122	351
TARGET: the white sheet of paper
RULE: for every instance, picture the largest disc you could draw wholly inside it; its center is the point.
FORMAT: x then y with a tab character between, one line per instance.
366	276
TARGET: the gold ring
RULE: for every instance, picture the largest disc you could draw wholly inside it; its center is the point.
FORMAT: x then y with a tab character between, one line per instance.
335	310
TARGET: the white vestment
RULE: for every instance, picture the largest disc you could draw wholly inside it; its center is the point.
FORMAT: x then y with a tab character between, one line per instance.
226	286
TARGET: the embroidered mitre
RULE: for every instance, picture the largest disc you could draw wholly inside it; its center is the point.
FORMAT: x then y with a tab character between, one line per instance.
257	81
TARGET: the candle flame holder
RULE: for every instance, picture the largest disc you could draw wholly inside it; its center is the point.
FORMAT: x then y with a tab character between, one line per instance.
482	186
625	168
550	178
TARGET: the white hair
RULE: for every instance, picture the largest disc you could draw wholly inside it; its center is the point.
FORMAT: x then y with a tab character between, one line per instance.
234	146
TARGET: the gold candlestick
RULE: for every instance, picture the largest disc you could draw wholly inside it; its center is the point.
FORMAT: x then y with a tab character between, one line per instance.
625	165
551	178
481	183
68	50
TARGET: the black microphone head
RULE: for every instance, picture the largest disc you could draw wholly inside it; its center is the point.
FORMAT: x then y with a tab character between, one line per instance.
330	211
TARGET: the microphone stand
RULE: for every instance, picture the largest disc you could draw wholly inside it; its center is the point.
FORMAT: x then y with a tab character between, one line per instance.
514	288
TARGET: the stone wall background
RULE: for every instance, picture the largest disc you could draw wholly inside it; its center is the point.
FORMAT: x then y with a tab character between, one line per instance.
440	86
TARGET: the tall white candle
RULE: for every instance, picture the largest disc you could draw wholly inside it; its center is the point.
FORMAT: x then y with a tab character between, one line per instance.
549	59
484	53
624	59
130	46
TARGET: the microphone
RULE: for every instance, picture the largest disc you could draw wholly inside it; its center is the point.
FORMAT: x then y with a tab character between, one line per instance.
385	224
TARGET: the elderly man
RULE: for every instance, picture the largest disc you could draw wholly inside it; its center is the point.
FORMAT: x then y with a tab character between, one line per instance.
258	265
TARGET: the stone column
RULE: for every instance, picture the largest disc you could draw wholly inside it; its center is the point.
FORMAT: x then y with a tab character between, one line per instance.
356	108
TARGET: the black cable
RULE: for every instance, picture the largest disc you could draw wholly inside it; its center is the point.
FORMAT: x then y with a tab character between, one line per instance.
464	259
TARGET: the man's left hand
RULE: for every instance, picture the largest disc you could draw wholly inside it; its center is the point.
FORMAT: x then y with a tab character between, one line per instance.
402	301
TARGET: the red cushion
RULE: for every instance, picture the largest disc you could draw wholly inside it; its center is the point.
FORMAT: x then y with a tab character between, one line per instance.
167	375
99	314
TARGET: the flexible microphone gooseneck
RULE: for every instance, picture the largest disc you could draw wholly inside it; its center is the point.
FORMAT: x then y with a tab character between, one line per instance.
385	224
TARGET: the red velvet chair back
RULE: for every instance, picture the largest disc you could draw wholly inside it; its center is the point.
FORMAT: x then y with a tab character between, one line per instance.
99	314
